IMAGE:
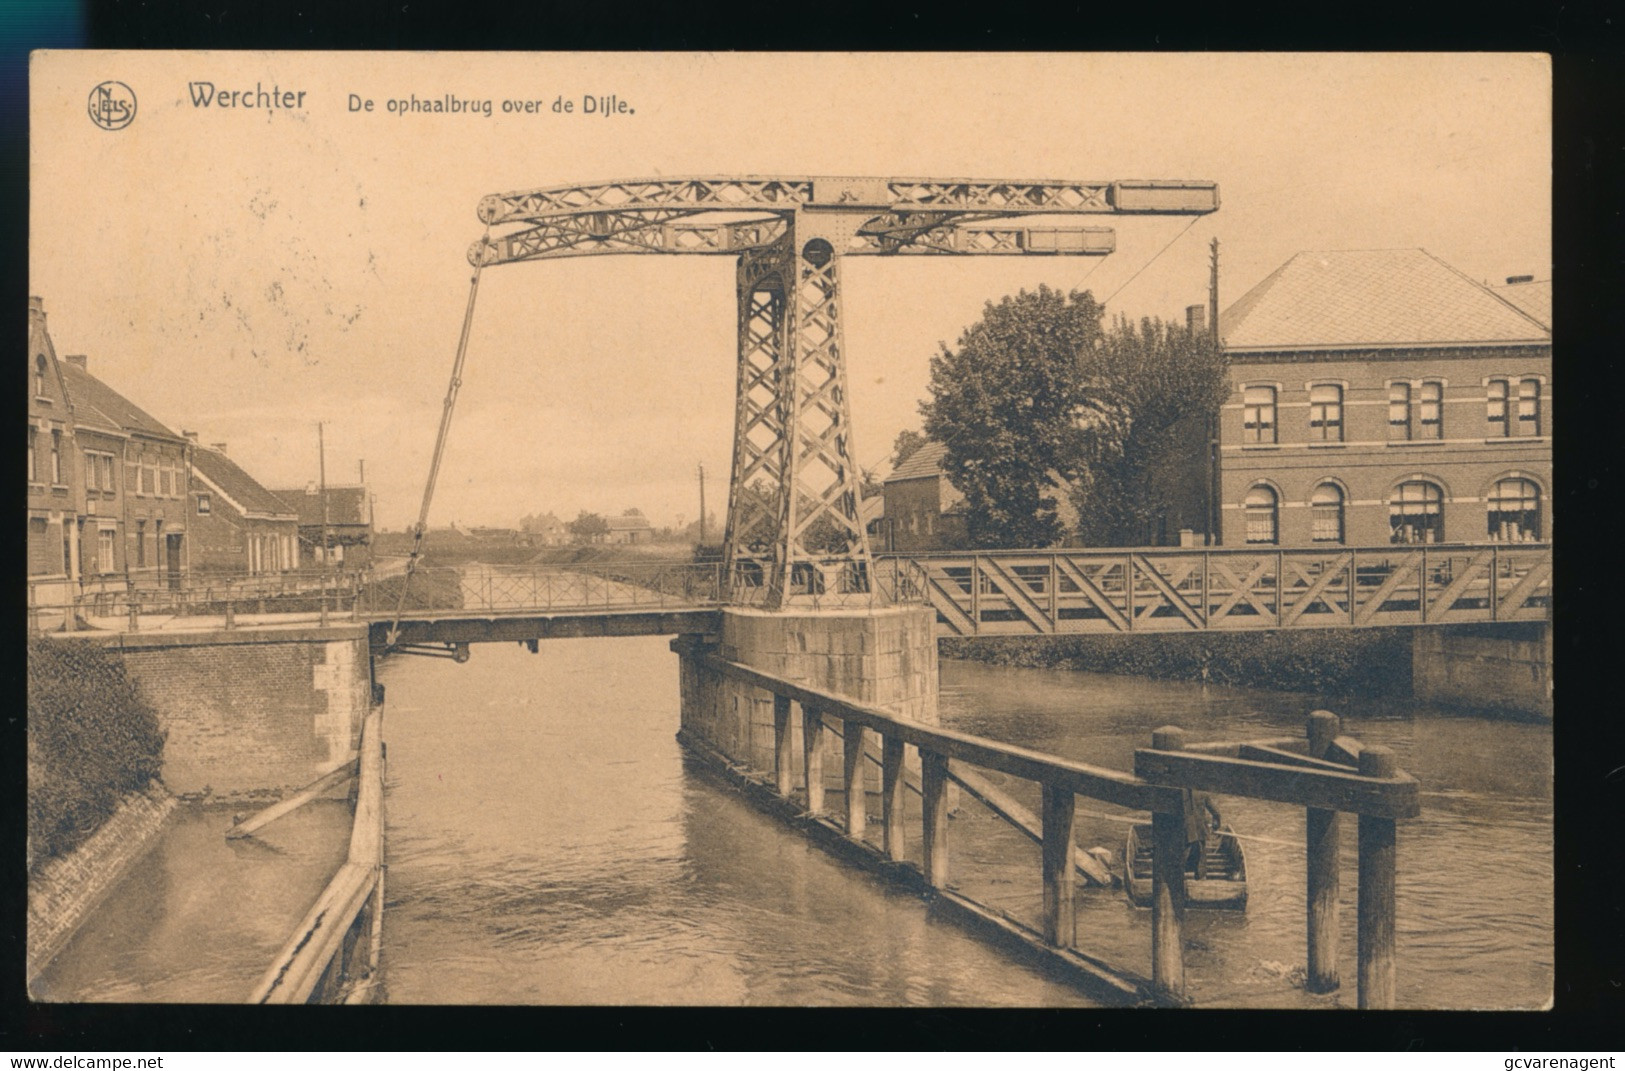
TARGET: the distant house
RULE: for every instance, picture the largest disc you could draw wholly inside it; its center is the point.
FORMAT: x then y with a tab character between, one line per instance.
630	527
1381	396
547	530
347	520
237	524
921	509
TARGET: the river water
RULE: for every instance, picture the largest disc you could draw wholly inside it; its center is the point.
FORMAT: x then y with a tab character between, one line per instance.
547	844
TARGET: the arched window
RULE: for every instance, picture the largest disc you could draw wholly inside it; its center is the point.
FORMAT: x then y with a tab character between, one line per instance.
1260	507
1326	510
1514	511
1416	513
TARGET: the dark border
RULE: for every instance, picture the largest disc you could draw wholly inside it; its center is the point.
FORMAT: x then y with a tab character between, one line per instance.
1590	345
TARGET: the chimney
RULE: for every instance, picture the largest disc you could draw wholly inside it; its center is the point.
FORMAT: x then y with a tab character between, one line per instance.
1196	318
36	309
1513	280
218	447
80	360
190	436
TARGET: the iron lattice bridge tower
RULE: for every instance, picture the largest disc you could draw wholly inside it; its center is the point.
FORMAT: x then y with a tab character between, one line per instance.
795	535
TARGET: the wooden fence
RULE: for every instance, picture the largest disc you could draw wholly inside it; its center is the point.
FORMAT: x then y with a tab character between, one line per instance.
1313	772
332	957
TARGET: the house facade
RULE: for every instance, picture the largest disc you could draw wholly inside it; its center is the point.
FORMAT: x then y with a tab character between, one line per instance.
630	527
922	509
238	527
54	489
346	522
136	479
1380	396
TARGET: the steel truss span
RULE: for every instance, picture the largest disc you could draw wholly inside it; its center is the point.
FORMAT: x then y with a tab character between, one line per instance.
795	534
1160	589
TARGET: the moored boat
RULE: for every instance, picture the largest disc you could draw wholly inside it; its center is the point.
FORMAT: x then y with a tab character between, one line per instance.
1220	884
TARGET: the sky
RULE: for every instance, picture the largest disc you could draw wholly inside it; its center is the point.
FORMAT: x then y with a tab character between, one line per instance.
250	272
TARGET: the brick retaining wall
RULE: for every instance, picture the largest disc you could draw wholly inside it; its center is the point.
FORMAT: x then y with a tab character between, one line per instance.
65	890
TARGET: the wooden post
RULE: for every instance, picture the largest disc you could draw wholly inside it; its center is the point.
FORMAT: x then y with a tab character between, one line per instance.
1376	905
1168	884
812	757
934	803
783	749
857	801
1323	842
891	796
1059	917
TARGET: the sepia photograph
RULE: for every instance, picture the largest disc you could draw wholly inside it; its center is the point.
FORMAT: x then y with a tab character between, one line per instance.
816	529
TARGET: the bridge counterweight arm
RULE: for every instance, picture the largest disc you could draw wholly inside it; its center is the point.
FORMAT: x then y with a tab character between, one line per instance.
1010	197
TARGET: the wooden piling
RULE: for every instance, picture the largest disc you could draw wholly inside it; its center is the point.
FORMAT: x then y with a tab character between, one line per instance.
891	797
812	757
934	804
857	802
1059	807
1376	898
1168	884
1324	840
783	746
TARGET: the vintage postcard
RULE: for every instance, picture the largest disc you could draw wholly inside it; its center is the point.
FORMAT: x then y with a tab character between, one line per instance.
817	529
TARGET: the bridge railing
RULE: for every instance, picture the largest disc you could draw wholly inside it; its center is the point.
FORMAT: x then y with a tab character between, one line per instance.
129	604
1254	587
599	585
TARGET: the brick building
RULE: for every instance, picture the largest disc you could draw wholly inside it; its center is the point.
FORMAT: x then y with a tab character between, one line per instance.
922	508
1380	396
54	490
135	477
238	526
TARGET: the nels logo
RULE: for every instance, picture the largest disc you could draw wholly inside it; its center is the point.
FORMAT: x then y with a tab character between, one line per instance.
112	105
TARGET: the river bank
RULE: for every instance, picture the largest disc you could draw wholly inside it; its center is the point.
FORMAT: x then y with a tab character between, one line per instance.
1371	662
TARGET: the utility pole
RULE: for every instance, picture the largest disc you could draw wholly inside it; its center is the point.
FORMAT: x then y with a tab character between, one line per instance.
321	462
702	503
361	465
1213	420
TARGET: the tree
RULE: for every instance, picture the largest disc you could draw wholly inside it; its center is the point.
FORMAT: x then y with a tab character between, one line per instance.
1005	404
1151	391
587	527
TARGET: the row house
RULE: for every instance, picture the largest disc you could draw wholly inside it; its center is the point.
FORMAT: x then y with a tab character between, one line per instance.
134	476
238	526
54	493
1380	396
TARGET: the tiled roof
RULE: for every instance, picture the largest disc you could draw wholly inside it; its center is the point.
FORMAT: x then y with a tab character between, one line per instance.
926	461
1533	298
237	484
1372	298
345	505
97	405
